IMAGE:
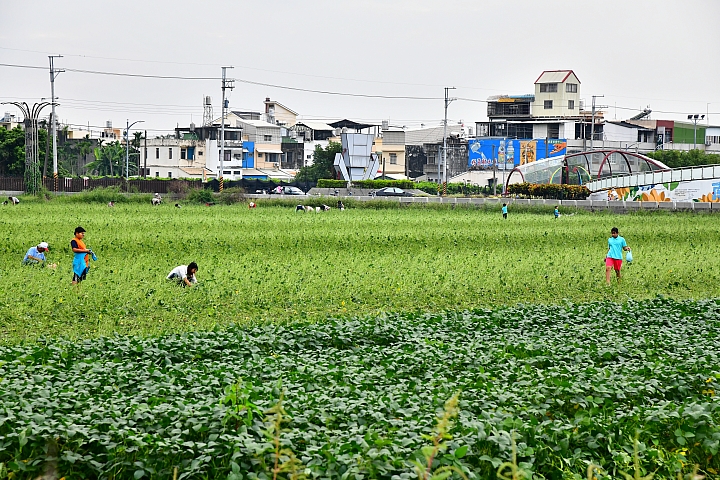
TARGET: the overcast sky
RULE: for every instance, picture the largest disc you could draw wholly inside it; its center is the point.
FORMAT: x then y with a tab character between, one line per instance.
637	53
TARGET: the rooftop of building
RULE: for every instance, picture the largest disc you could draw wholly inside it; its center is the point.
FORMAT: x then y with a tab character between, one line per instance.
555	76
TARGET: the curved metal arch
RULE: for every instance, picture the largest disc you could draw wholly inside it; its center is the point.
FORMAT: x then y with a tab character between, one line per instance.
649	161
610	152
507	182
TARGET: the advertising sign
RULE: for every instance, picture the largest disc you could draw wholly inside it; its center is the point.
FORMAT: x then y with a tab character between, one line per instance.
508	153
689	191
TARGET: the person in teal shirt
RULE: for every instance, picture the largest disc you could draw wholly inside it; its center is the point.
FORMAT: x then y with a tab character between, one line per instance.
614	257
504	210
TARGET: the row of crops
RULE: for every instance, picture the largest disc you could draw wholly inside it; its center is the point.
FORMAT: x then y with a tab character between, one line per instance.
272	264
569	385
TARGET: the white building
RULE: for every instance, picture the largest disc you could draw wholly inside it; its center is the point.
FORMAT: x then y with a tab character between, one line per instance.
557	94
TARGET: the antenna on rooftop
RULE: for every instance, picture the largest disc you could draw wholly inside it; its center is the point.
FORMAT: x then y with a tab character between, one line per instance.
207	111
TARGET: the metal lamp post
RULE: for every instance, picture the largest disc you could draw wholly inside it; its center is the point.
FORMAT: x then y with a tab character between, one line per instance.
695	118
127	147
33	179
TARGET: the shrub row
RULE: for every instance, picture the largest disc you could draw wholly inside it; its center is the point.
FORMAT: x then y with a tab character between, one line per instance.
549	190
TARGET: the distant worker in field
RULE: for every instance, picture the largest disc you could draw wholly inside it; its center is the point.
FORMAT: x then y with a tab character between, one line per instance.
504	210
36	254
556	213
340	205
82	254
184	274
614	258
14	200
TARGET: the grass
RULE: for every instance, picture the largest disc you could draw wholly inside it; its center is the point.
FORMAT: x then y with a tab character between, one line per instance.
271	264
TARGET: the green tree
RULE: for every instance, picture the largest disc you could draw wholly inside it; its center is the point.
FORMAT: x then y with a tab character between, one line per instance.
12	150
678	159
84	149
108	159
322	167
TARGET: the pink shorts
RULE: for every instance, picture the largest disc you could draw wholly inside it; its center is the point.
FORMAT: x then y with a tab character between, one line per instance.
616	263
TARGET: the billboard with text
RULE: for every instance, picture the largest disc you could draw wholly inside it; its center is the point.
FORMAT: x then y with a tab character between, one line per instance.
509	153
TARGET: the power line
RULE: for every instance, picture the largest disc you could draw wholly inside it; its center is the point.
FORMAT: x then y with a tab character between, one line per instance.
249	82
257	69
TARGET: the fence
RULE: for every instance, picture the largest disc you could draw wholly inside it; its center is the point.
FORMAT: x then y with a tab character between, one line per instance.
149	185
76	184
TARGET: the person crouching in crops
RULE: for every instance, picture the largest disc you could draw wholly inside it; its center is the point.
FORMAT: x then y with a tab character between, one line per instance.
184	274
81	259
36	255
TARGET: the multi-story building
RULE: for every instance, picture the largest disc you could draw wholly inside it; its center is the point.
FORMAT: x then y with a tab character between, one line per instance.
278	114
9	121
390	148
263	137
193	152
298	146
557	94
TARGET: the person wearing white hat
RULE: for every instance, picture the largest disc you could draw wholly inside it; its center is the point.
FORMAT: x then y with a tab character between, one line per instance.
36	254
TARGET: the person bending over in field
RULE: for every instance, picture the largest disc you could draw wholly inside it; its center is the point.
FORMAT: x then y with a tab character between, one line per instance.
36	255
184	274
82	254
613	259
13	200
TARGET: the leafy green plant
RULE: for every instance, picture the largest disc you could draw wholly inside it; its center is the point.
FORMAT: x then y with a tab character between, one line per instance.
284	460
230	196
201	195
425	470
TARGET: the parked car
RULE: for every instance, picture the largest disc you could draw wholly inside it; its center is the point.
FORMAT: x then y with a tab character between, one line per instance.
391	192
288	190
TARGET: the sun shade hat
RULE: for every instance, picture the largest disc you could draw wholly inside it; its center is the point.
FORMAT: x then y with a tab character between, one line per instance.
43	245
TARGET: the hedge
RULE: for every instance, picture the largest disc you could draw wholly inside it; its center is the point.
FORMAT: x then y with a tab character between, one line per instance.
549	190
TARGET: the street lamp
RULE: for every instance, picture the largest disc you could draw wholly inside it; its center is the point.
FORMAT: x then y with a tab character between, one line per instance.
695	118
127	147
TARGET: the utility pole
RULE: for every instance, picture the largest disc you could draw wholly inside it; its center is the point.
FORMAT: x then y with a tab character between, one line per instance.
447	102
592	127
145	164
53	74
225	85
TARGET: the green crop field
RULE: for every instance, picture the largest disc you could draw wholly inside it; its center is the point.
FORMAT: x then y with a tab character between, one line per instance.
273	264
358	326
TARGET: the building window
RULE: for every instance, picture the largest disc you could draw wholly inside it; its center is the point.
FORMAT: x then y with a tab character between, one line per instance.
183	153
157	154
393	159
236	172
571	104
169	174
571	87
226	172
259	154
157	174
547	104
200	153
309	157
548	87
170	153
267	138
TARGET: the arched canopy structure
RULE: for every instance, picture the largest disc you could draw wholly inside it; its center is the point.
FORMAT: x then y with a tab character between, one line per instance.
579	168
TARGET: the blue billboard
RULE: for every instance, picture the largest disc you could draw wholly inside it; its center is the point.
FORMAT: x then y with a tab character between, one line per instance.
508	153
